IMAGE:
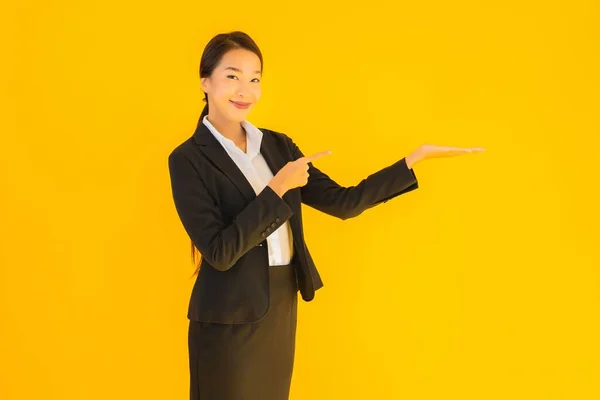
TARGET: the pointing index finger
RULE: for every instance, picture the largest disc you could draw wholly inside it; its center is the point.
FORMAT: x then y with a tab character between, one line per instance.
316	155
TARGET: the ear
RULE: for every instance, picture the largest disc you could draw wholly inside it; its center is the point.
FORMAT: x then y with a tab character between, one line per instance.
204	84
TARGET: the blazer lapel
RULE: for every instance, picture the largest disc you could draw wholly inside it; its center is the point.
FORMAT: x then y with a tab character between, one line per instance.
211	147
275	159
213	150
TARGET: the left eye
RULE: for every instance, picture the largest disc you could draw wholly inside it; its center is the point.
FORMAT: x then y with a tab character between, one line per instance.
233	76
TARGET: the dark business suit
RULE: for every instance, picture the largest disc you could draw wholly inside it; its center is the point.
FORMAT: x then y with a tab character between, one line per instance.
229	223
242	311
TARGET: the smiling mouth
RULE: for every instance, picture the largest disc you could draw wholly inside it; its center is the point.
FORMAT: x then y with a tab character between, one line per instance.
240	105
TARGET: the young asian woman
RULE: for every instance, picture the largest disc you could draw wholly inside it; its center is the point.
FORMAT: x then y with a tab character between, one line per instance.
238	191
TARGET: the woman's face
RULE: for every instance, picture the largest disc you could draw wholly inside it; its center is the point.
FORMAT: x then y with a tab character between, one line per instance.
236	79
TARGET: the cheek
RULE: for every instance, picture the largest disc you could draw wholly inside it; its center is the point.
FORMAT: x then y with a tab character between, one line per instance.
256	92
226	90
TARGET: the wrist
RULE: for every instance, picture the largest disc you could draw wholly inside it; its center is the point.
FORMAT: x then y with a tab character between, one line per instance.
413	158
277	188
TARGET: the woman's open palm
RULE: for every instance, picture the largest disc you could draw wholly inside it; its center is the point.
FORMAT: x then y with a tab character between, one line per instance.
435	151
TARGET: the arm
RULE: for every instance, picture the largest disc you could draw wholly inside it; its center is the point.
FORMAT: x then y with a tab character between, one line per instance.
324	194
219	243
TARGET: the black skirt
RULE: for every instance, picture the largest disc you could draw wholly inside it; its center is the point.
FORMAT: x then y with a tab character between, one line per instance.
248	361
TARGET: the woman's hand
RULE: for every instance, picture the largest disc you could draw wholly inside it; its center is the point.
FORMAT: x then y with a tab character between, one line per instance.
428	151
294	174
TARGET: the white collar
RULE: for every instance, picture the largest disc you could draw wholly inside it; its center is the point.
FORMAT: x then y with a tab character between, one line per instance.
253	138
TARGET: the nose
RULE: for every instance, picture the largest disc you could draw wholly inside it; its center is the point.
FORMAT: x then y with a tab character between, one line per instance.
243	90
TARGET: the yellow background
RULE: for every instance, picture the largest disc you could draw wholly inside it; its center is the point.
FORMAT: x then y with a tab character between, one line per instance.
481	284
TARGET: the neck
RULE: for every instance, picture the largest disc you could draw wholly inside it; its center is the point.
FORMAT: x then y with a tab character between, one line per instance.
230	129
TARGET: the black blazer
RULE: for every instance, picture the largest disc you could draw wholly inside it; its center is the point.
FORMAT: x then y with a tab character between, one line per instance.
229	223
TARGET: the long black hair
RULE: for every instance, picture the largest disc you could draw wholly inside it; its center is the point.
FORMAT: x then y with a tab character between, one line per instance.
211	56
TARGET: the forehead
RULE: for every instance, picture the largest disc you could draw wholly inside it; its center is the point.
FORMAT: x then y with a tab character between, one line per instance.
242	59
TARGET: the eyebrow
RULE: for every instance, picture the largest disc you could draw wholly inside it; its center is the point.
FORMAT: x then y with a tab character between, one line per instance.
239	70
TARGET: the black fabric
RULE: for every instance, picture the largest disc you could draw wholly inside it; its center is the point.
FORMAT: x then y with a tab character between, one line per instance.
251	361
229	223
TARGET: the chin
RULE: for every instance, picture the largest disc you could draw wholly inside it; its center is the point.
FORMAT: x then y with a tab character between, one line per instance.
238	115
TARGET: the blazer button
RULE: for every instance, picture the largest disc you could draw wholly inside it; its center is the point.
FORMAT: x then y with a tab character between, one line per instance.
263	234
273	225
268	229
277	219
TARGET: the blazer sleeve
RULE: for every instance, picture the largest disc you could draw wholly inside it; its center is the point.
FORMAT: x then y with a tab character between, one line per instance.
324	194
221	244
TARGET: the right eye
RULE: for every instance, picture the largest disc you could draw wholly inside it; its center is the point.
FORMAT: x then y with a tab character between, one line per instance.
232	75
